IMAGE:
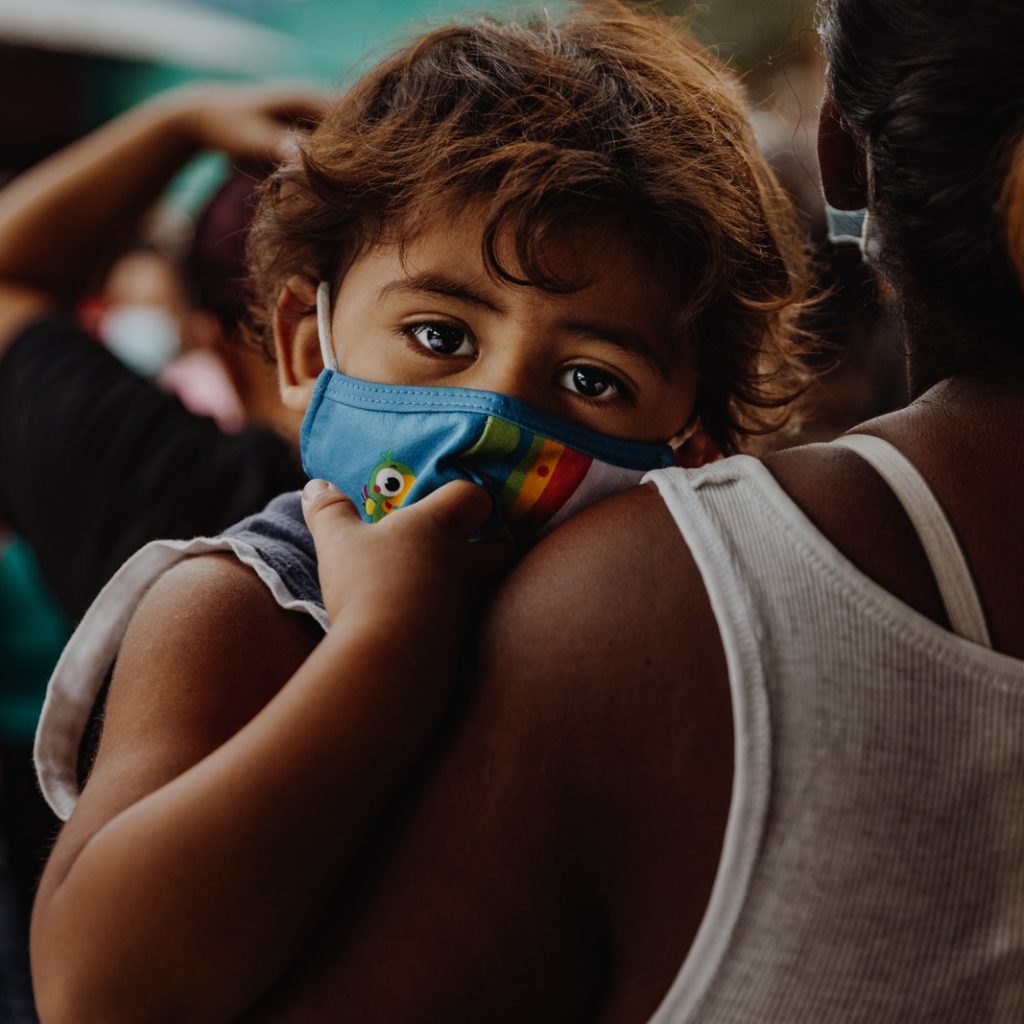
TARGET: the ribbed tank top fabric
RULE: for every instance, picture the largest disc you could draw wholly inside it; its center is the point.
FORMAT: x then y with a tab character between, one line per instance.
873	864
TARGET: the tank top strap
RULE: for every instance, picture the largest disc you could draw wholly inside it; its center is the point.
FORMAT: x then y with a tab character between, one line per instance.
933	528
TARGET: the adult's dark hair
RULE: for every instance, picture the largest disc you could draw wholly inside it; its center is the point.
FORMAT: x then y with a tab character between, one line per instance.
607	118
934	91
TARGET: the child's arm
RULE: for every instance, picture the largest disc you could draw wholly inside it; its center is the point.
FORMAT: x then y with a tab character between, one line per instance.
212	830
62	221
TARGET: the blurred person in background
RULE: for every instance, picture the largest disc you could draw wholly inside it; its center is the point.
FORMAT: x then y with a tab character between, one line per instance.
177	321
138	462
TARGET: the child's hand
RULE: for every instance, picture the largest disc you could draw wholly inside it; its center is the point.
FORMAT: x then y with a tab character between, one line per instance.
416	569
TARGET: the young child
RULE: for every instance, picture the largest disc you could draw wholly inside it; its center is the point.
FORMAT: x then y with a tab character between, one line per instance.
539	258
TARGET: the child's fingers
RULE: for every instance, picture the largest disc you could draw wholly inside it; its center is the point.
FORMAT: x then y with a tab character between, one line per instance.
325	507
460	508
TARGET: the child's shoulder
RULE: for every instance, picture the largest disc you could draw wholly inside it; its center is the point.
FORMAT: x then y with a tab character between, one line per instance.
205	650
206	624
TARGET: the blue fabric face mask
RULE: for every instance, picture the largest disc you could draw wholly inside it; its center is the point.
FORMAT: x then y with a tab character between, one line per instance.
387	445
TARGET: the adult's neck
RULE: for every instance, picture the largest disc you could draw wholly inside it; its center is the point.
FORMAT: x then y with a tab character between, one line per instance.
940	346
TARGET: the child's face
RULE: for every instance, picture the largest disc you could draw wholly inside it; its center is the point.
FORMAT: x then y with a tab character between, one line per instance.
432	315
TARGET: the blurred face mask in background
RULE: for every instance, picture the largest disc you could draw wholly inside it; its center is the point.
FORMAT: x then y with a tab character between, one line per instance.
144	337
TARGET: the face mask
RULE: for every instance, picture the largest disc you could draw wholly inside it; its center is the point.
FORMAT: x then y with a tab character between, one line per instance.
387	445
853	227
145	338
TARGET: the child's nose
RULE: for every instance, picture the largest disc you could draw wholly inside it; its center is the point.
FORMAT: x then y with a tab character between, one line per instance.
515	378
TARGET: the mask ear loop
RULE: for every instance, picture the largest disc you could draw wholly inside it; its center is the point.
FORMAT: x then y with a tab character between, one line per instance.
323	325
677	440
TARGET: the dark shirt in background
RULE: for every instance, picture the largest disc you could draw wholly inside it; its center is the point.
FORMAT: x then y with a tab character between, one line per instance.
95	461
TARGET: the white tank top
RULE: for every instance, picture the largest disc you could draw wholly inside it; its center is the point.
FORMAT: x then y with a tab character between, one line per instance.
873	863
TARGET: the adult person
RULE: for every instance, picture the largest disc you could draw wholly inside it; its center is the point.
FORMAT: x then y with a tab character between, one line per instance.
779	786
140	466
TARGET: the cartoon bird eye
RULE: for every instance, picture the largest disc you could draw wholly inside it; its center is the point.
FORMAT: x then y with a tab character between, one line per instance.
388	481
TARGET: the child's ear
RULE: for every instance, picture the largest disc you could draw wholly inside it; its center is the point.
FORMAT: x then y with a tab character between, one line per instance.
296	342
698	449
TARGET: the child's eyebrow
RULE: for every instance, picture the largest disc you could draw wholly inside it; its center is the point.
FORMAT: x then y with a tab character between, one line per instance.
626	340
438	284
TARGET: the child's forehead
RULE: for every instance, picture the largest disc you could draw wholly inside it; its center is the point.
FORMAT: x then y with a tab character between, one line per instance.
561	253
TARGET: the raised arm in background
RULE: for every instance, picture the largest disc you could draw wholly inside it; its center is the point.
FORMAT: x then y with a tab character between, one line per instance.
71	415
62	221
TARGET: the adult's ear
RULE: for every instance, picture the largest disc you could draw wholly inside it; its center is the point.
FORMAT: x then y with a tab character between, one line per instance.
296	342
841	157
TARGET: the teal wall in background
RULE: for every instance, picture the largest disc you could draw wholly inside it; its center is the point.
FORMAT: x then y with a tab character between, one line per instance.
334	42
342	37
334	39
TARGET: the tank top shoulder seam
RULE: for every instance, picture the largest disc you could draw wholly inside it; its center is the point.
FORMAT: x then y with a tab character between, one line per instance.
914	627
749	804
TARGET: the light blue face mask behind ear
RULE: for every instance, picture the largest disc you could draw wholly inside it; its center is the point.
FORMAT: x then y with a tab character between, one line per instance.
845	227
853	227
387	445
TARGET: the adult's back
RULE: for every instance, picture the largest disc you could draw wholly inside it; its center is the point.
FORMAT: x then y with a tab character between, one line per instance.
883	881
883	878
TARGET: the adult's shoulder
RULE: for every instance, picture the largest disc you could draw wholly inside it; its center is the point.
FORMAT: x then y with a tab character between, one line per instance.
617	569
602	663
581	788
853	508
606	628
955	437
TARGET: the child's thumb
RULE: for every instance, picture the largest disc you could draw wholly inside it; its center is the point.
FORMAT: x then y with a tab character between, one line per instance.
326	508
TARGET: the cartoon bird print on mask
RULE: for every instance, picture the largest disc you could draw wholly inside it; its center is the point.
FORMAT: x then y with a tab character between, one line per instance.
388	487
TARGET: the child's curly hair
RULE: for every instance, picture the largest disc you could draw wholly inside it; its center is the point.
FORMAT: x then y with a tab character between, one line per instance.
608	118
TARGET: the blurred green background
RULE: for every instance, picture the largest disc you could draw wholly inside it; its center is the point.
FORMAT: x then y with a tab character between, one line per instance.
336	38
97	57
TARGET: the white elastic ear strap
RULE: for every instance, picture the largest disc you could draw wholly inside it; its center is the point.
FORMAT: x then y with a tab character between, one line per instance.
323	325
676	441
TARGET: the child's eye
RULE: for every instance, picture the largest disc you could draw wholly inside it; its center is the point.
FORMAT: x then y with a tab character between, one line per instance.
442	338
590	382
